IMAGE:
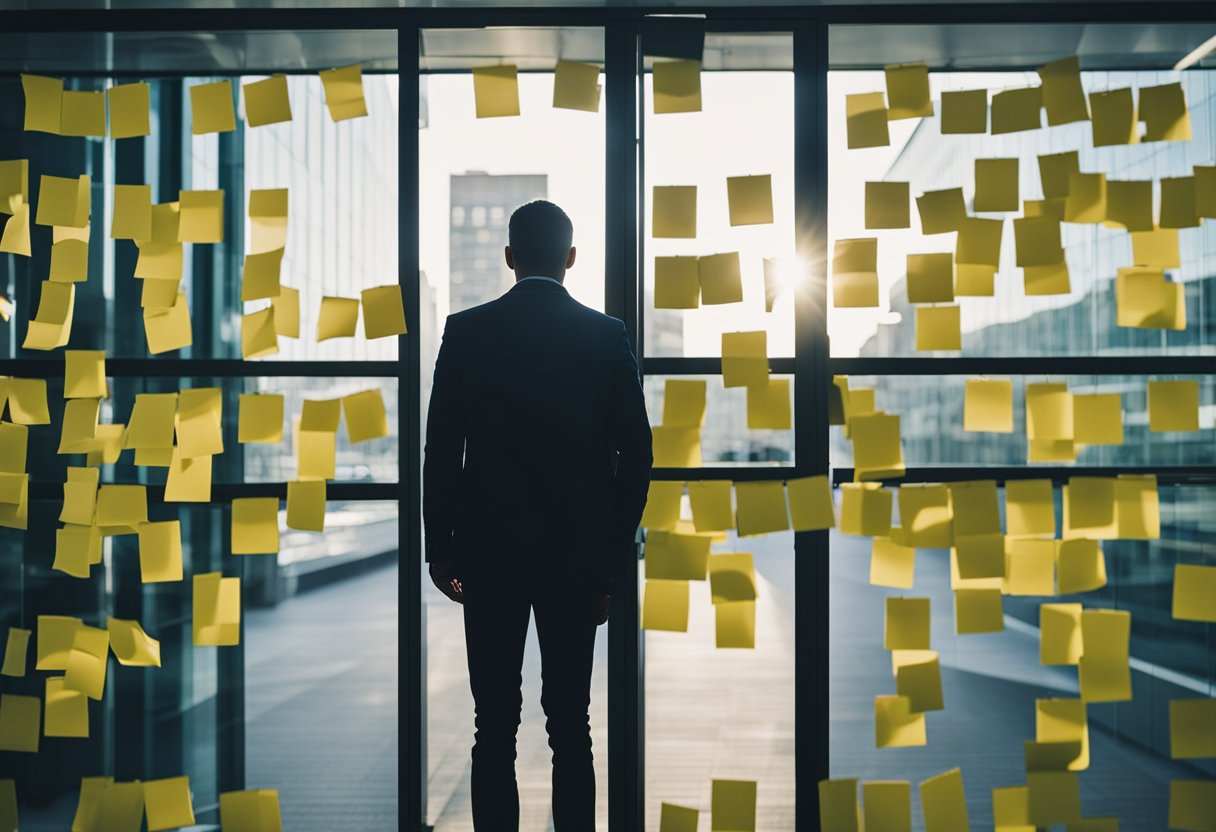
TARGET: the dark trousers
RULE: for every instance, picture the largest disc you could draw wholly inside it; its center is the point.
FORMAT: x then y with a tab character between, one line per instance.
496	627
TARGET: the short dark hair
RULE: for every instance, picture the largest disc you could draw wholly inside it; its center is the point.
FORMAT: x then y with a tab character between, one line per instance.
540	235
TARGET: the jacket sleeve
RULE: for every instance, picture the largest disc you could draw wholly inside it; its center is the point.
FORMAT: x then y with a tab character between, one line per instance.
443	464
631	438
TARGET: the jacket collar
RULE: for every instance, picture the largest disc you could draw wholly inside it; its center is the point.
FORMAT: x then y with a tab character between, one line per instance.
524	286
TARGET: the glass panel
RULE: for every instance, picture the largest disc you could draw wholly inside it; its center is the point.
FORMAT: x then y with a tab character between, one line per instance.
474	172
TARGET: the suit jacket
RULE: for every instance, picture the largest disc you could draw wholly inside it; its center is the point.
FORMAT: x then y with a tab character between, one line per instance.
538	448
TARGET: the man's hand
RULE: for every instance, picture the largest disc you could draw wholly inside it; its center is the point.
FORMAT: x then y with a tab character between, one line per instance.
446	584
601	609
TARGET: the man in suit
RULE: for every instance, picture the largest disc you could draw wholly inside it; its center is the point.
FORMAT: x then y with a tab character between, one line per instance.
538	455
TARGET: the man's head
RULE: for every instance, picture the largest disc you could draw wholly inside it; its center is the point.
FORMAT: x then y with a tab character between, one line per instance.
540	236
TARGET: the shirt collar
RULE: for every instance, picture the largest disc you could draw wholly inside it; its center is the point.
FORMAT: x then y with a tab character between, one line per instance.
538	277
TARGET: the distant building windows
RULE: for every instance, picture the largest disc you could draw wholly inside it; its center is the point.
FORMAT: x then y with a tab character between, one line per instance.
497	215
479	216
457	216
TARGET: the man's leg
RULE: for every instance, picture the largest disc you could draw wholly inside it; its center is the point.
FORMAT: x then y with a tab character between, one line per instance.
495	629
565	625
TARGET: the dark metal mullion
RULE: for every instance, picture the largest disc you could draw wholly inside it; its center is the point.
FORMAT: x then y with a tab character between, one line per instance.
224	491
1166	474
142	368
1079	365
724	472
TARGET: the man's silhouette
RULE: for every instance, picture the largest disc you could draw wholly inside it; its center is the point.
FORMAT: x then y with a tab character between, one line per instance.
538	455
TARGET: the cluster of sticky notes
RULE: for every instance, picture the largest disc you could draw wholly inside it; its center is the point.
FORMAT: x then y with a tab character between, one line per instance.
576	86
887	804
383	314
49	108
732	807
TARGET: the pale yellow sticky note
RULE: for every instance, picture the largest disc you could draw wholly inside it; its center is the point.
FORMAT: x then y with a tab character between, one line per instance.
733	805
1173	405
978	610
855	273
1098	418
259	337
1016	110
1156	248
866	120
1052	797
20	723
930	278
1090	508
88	807
1104	672
200	216
255	525
1130	204
161	257
66	712
199	417
287	312
16	240
1164	113
750	199
665	605
366	417
27	403
1191	803
14	442
908	91
80	496
1029	567
1049	411
1055	172
710	501
1080	566
130	110
1192	728
69	261
132	212
906	626
576	86
321	415
1194	593
988	405
673	556
965	111
676	447
383	312
496	91
337	318
941	211
684	403
974	506
306	505
1064	721
810	500
887	205
944	802
56	635
256	810
76	548
662	505
1087	198
1037	242
189	480
996	185
160	551
167	803
121	806
677	283
316	454
1144	298
84	374
211	108
891	564
1137	507
122	505
83	113
939	328
1179	208
268	210
744	358
131	645
877	452
86	670
735	624
14	184
839	809
732	577
674	211
15	650
151	423
1063	96
43	103
761	507
217	611
865	509
1114	117
895	726
344	92
1060	634
677	86
260	277
63	201
267	101
720	277
925	515
52	325
979	241
768	405
1010	809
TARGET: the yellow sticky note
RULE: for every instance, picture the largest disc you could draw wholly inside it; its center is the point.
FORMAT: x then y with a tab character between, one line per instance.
895	726
14	443
211	108
974	505
1178	202
891	564
27	401
732	577
665	606
267	220
750	199
52	326
1064	721
677	86
338	318
496	91
260	277
938	328
839	810
1192	728
287	312
876	448
866	120
83	113
1144	298
662	505
217	610
1063	96
1090	507
1052	797
16	240
1049	411
1137	507
720	278
131	645
761	507
122	505
63	201
130	108
383	312
121	805
43	103
918	678
1030	567
76	548
189	480
14	184
744	358
86	670
944	802
1037	241
161	257
676	447
321	415
1010	809
711	505
768	405
84	374
199	415
1194	593
365	416
1164	113
267	101
855	273
1130	204
1055	173
908	91
996	185
888	804
1104	672
931	278
988	405
70	261
1015	110
160	552
965	111
255	525
132	212
67	711
344	92
15	650
941	211
906	626
1060	634
20	723
151	423
306	505
576	86
56	634
925	515
733	805
1114	117
1080	566
887	205
200	216
316	454
256	810
735	624
674	211
1098	419
684	403
677	557
1173	405
1156	247
865	509
1191	804
677	283
1087	198
810	500
979	242
978	611
167	803
259	337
